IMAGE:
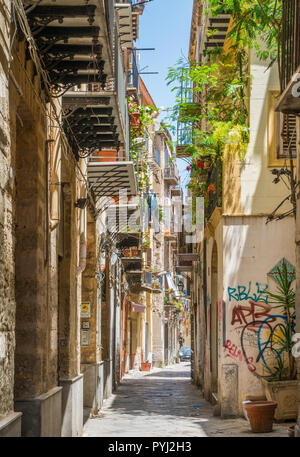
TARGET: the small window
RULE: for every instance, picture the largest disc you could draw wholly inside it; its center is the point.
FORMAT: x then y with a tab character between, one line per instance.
286	135
279	123
167	156
157	156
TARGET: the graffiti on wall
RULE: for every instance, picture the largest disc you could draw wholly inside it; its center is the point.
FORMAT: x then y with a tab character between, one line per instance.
259	330
232	351
267	338
244	293
251	312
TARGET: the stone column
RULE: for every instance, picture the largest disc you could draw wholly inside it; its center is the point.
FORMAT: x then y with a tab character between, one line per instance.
10	422
70	377
91	364
36	392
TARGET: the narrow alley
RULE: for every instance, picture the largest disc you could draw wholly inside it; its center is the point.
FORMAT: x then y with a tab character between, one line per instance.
165	403
149	218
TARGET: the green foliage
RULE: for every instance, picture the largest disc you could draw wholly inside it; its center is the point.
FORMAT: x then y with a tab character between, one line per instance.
256	24
139	136
284	301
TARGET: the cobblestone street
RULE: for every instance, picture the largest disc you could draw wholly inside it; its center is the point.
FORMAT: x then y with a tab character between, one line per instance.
165	403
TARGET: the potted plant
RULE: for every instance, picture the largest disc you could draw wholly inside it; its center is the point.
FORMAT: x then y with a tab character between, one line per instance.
282	384
182	249
134	252
156	285
134	115
146	366
260	415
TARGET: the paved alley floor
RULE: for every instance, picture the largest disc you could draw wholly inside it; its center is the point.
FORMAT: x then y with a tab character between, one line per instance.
164	403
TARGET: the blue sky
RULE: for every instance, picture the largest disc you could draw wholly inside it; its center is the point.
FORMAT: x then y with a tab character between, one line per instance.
165	25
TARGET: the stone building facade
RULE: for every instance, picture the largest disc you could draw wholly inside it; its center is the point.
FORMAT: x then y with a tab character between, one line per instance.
67	308
233	270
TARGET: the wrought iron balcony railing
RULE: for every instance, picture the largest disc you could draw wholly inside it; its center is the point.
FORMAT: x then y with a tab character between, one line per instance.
184	139
171	175
133	73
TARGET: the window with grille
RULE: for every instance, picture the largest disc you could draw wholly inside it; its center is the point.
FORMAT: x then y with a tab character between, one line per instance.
286	135
157	156
149	257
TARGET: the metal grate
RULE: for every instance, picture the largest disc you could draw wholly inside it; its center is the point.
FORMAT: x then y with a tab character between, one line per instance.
290	47
286	136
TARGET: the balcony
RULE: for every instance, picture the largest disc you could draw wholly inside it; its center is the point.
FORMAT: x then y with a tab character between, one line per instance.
214	179
176	191
125	24
185	262
123	220
171	175
132	261
151	283
289	101
77	57
215	32
107	178
133	77
184	140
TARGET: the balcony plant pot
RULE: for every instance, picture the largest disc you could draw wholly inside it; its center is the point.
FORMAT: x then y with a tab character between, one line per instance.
135	119
134	252
286	394
145	366
261	415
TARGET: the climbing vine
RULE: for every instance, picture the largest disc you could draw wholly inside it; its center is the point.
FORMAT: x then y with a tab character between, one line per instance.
141	120
212	98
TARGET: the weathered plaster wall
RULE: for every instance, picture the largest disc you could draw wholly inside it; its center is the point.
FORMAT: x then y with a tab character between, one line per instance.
7	299
251	250
258	194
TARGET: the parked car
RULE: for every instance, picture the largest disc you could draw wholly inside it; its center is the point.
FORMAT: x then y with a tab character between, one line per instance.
185	353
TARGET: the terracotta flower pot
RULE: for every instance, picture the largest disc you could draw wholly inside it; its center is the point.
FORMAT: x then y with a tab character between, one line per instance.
134	252
145	366
135	119
291	431
261	415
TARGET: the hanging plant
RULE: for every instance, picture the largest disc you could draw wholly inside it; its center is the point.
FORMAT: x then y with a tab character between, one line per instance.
141	119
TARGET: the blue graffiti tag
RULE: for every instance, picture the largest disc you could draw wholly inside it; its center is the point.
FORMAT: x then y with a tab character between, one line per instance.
241	293
265	344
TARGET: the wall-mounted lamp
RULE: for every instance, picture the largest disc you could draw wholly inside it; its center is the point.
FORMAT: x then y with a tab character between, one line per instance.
81	203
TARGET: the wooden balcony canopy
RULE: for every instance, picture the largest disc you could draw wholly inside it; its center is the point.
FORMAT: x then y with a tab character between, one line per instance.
289	101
